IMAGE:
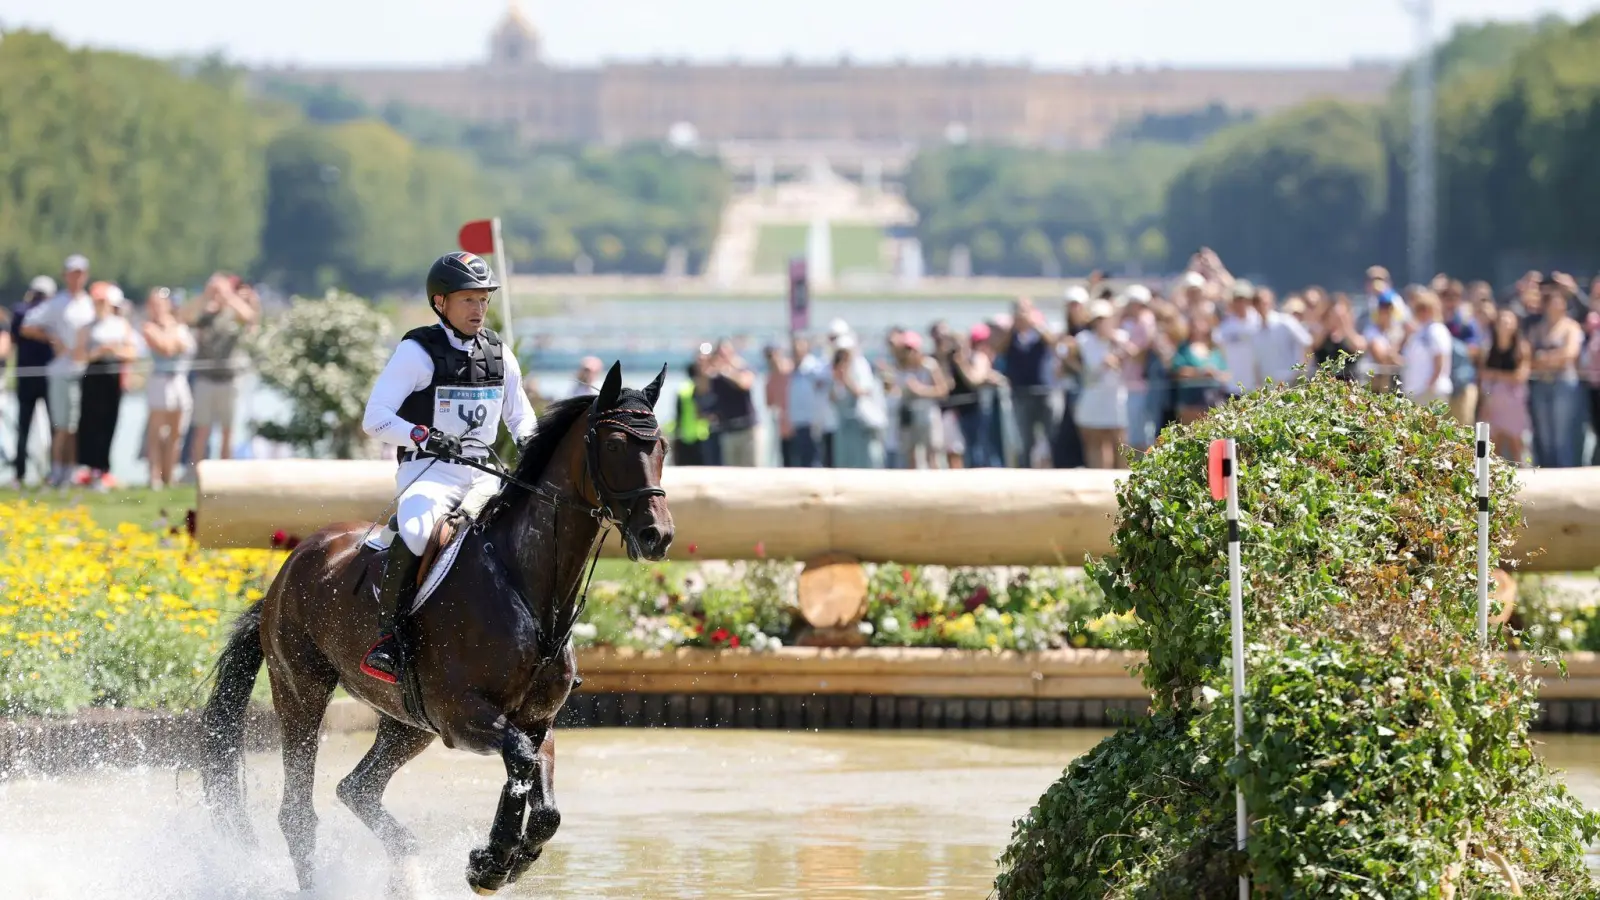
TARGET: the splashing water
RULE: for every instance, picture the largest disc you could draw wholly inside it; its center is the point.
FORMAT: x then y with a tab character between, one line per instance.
646	814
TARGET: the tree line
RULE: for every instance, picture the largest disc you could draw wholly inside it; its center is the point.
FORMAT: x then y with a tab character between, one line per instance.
164	171
1314	193
1319	192
1032	212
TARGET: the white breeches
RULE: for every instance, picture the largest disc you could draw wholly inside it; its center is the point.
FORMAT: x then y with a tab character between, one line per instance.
438	488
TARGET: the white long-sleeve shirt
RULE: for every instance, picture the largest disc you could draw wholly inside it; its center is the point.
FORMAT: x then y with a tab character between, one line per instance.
1280	345
410	369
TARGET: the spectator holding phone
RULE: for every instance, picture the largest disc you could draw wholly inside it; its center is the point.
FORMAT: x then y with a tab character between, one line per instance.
221	316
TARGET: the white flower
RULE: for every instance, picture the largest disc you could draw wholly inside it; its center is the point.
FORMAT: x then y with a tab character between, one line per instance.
889	625
865	627
1209	693
1536	630
584	631
774	642
1565	634
751	629
990	614
759	642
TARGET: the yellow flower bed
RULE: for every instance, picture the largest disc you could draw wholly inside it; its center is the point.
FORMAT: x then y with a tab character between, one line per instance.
127	618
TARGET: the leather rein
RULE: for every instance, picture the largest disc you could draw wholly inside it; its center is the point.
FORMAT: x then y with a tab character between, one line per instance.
638	424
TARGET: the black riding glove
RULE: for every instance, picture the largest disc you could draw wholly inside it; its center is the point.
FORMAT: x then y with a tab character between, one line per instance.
439	443
443	443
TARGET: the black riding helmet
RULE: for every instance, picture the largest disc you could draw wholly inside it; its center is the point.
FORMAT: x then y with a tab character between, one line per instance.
458	270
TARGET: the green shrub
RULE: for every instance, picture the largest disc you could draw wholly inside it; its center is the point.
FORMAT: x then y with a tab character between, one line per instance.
1384	750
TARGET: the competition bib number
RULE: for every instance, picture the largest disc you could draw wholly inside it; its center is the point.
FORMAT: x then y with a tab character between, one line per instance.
468	411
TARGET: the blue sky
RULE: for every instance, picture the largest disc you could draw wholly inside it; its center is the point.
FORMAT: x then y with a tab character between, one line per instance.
1046	32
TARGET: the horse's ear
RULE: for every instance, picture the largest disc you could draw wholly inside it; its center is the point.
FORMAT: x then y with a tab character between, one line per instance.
652	391
611	391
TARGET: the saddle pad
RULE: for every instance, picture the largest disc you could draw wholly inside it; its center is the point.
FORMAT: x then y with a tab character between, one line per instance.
441	564
441	567
380	539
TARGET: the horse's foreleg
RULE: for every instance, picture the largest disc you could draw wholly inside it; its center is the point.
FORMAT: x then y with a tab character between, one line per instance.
543	817
489	868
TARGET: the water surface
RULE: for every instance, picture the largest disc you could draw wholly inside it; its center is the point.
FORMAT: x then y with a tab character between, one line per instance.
648	813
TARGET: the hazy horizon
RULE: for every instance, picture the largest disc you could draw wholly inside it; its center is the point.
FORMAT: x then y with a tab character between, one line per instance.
1065	34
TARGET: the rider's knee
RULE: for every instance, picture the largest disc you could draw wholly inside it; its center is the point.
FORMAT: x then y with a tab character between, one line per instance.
414	531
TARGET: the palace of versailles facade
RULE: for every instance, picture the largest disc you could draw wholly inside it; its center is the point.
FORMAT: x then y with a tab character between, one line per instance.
843	104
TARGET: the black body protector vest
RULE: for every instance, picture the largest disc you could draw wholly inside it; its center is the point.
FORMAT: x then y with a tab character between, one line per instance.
467	391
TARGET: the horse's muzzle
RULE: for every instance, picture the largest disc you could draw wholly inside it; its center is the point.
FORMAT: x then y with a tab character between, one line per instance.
650	542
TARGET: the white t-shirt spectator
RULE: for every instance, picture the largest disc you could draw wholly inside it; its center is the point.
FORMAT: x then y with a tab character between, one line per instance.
1103	400
1280	345
63	315
1236	337
1428	347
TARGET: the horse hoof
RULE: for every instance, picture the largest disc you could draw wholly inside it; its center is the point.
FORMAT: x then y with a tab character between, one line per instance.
522	862
484	875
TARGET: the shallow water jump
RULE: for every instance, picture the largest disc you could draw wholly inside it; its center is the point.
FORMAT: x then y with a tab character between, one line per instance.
489	656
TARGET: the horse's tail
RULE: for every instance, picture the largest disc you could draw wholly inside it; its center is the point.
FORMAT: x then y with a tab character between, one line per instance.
223	721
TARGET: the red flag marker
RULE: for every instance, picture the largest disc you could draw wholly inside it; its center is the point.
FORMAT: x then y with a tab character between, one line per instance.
477	237
1219	486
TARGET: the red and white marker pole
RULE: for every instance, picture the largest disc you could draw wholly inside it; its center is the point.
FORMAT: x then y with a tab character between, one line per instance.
1483	533
1224	479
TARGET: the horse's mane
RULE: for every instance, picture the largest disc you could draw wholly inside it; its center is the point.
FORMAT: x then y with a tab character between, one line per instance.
534	455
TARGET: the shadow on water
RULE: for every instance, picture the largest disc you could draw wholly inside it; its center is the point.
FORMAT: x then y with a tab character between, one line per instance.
647	814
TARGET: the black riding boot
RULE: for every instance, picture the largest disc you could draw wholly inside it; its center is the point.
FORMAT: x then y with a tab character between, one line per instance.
398	589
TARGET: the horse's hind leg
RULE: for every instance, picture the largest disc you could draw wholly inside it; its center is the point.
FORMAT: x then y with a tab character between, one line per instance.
362	790
300	697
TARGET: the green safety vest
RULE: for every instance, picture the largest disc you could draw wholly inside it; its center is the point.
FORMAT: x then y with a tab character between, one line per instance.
691	428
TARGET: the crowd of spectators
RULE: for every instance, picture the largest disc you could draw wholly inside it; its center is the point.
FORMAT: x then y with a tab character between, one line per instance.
78	347
1102	376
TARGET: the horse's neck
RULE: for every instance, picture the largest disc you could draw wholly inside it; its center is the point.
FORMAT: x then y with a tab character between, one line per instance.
549	543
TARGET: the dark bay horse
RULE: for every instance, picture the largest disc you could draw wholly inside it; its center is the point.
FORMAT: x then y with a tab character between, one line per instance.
491	647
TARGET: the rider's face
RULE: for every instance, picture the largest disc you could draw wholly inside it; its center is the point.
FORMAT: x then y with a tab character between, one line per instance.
464	310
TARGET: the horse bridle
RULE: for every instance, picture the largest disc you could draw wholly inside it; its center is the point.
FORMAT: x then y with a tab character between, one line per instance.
636	423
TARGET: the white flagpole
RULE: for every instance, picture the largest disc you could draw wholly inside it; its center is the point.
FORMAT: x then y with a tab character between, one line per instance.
1230	475
1483	533
503	263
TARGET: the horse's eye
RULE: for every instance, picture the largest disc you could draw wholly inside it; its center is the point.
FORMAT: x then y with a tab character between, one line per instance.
614	442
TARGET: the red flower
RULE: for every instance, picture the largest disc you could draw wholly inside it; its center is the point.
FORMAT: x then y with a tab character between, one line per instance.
905	575
733	641
278	537
978	598
718	636
761	550
699	628
693	548
921	621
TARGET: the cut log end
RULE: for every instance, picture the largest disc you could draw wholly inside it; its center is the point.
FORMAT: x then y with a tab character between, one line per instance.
833	592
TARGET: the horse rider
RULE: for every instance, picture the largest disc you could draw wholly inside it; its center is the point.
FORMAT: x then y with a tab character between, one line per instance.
443	393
